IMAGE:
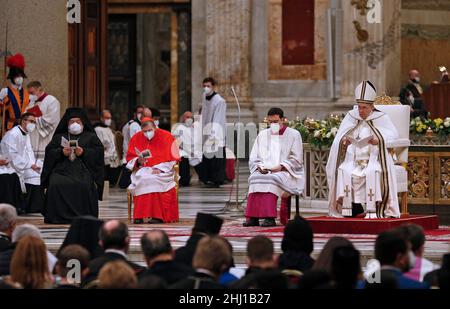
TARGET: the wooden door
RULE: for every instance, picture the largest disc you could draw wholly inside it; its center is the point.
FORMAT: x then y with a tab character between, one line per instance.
88	84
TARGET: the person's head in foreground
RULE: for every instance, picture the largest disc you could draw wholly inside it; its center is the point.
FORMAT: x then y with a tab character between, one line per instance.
66	259
212	256
29	265
8	219
117	275
156	247
261	253
114	235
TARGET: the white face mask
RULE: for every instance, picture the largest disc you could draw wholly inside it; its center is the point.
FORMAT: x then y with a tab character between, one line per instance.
189	122
31	127
207	90
156	122
149	134
75	128
18	81
139	116
108	122
275	128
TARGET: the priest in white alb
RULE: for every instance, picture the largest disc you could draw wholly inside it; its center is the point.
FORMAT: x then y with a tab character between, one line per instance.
152	155
16	146
46	109
276	167
360	170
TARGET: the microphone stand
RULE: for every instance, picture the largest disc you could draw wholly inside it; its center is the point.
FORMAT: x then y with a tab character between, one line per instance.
236	206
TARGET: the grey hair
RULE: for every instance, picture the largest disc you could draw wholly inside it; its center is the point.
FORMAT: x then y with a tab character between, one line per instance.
8	216
25	230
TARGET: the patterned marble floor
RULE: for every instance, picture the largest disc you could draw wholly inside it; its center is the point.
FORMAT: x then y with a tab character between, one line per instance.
200	199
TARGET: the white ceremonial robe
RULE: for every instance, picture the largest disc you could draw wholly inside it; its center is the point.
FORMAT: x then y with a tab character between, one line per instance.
363	175
144	182
45	125
16	145
189	141
108	139
270	151
214	118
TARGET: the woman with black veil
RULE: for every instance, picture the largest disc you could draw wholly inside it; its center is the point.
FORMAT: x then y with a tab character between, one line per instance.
73	170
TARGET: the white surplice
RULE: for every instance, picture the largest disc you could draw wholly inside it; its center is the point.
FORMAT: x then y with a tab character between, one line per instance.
16	145
271	150
214	115
190	142
45	125
108	139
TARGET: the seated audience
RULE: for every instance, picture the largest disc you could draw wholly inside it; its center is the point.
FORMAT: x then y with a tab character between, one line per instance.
346	268
19	232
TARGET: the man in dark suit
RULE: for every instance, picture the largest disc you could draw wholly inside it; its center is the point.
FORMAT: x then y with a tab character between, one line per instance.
205	224
159	254
8	218
115	240
411	95
211	259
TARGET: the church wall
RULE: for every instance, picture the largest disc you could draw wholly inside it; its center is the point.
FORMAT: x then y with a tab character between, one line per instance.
38	29
425	38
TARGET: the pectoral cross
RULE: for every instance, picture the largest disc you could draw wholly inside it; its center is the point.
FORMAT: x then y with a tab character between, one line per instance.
347	191
371	195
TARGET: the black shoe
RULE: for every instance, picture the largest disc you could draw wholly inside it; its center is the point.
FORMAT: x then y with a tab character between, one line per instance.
138	221
269	222
251	222
357	209
155	221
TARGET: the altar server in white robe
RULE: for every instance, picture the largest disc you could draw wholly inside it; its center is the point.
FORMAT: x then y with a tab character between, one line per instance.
214	111
276	167
108	139
361	178
188	134
46	109
16	145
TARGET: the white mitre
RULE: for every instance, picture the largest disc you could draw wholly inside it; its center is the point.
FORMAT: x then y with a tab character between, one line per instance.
365	93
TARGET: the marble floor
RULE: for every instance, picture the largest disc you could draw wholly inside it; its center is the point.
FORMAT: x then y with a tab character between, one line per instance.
196	199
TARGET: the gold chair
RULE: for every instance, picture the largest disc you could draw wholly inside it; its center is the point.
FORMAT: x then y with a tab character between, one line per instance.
400	116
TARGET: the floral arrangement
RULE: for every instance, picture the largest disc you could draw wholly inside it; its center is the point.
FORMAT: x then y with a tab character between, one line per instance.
319	133
421	125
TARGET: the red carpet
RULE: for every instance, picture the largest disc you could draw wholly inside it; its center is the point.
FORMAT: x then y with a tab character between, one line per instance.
328	225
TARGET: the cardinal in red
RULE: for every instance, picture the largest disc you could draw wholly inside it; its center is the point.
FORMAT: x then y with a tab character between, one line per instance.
152	155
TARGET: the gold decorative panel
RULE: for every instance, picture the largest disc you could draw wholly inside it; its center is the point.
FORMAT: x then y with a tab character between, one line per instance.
420	178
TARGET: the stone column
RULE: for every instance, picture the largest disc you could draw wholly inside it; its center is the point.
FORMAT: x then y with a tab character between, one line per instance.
224	51
378	59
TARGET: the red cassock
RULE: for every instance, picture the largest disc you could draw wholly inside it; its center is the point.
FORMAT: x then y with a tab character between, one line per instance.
155	196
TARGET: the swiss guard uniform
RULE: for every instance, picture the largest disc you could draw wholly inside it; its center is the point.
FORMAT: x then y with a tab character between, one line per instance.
14	98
